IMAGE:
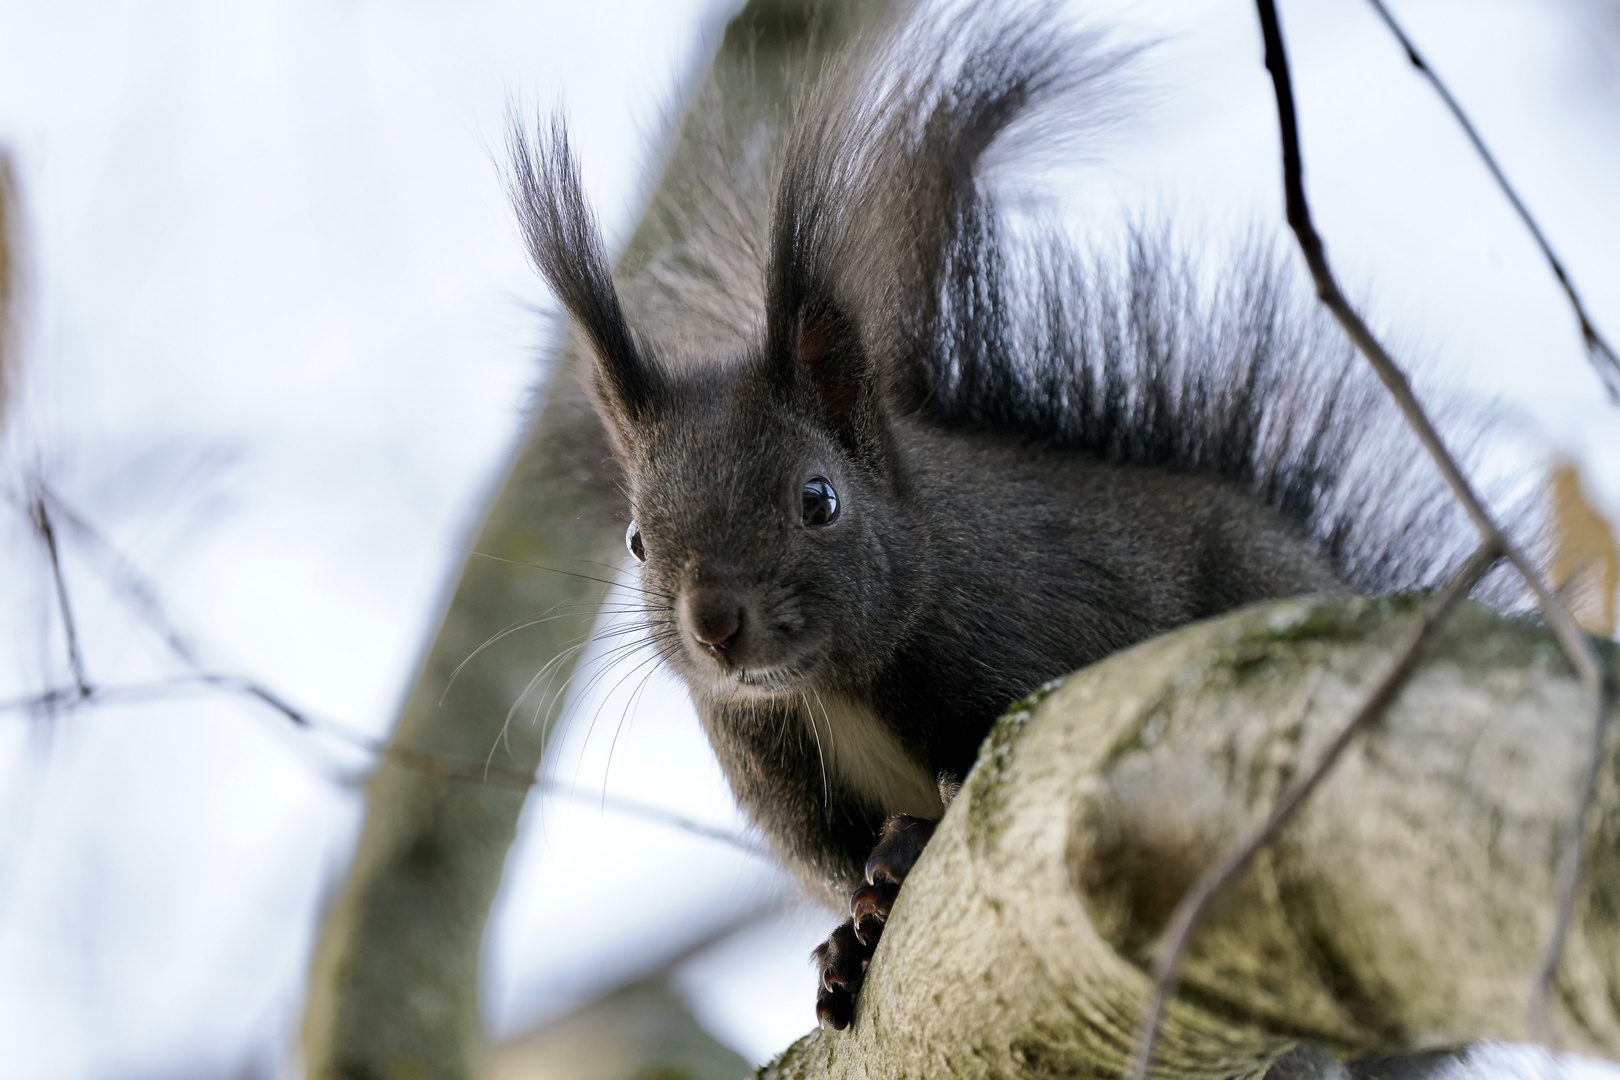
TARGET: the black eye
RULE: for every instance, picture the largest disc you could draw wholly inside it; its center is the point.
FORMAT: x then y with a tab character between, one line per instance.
818	502
632	540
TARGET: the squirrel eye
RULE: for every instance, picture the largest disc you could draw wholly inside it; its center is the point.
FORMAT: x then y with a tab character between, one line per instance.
632	540
818	502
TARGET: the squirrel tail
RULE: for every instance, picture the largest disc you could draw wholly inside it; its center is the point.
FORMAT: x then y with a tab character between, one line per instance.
882	213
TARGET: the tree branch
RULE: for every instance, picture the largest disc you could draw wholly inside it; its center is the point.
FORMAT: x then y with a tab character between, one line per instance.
1401	908
127	581
40	516
10	283
1192	907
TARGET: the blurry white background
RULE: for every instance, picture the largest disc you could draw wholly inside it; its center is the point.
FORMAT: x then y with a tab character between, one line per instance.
280	336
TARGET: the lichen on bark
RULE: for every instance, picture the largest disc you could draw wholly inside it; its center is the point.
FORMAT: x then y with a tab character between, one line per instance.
1401	910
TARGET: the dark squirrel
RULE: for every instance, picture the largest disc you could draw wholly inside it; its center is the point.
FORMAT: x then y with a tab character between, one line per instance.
932	465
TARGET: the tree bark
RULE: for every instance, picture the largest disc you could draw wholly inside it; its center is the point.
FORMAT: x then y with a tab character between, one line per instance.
1402	909
393	989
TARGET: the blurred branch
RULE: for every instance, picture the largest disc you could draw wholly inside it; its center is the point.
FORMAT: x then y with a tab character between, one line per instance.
1598	349
40	517
122	576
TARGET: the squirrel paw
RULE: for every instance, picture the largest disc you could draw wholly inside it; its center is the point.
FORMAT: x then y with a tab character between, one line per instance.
841	968
869	909
841	960
898	847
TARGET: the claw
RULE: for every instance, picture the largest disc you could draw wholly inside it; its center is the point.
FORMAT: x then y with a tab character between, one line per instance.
834	1009
873	900
841	961
869	910
897	848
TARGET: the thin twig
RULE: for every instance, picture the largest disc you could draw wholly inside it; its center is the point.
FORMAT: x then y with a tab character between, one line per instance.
1569	873
1193	905
41	517
475	772
126	693
648	812
124	577
1598	349
440	765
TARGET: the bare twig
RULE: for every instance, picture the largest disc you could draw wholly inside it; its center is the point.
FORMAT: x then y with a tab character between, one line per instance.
1193	905
124	577
10	243
41	517
122	694
474	772
1598	349
1570	858
648	812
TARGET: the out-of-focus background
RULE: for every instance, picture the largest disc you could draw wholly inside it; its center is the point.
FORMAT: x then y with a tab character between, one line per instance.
277	339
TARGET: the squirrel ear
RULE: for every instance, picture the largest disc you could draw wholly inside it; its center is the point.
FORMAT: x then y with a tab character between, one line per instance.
815	346
830	366
566	247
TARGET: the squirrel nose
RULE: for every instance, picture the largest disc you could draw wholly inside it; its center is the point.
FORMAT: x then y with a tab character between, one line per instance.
715	620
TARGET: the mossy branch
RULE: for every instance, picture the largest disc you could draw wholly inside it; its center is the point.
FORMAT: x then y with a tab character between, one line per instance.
1402	908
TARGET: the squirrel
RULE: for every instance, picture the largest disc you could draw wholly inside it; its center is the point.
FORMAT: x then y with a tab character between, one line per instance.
933	463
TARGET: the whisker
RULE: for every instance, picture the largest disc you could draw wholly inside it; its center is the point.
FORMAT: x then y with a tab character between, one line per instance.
609	582
607	660
590	729
551	569
826	791
629	710
549	669
549	665
524	624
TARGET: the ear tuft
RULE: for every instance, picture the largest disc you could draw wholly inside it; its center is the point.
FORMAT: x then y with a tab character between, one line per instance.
566	248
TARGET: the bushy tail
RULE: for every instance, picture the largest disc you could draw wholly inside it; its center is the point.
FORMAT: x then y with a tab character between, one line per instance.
882	210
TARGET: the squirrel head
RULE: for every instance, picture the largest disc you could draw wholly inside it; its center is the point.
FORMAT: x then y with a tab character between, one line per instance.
767	524
774	544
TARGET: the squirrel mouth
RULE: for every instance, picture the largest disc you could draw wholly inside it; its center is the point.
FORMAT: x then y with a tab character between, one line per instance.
761	677
763	682
766	679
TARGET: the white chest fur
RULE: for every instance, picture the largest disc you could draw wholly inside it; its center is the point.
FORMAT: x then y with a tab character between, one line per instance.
861	755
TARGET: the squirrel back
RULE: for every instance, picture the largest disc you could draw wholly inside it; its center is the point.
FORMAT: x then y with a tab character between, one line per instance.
890	469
